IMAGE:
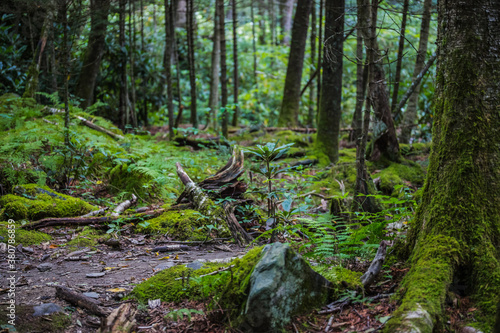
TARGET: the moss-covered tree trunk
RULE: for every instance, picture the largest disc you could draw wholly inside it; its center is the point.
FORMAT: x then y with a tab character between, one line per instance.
456	233
289	114
99	10
330	110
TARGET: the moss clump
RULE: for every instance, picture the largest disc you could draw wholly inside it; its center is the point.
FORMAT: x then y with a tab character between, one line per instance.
88	237
226	289
182	225
25	322
398	173
38	202
25	237
340	276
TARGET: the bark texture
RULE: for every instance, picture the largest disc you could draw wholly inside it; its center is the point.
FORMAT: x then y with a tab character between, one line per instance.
455	235
330	111
213	100
410	116
290	106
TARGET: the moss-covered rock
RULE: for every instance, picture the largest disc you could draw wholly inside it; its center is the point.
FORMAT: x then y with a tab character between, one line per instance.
226	289
35	202
25	237
88	237
398	173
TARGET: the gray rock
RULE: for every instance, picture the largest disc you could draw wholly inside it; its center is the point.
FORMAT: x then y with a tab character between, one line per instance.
45	267
281	285
164	265
92	294
195	265
94	275
46	309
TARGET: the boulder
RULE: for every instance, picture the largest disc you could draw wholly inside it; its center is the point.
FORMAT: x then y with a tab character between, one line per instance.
282	284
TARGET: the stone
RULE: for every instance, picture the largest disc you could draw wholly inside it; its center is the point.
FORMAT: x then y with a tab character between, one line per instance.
282	284
164	265
195	265
45	267
46	309
95	275
92	294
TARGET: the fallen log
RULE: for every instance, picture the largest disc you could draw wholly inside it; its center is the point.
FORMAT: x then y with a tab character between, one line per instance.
124	206
121	320
80	301
171	248
205	205
198	144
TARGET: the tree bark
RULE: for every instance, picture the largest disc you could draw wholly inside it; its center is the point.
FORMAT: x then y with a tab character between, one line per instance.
235	62
455	236
385	142
191	62
123	98
131	34
223	69
410	116
312	70
290	105
85	86
286	20
400	55
213	101
320	58
357	118
330	112
167	61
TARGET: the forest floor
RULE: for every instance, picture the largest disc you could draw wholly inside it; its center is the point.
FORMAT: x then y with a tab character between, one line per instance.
107	273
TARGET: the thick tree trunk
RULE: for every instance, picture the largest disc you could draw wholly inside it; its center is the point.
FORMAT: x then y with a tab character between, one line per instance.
290	105
85	86
330	111
385	141
223	68
192	72
213	100
410	115
400	56
455	235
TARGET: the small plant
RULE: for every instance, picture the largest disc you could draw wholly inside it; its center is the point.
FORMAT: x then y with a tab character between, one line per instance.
179	314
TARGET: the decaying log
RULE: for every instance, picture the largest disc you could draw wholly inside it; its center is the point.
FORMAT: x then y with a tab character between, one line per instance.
124	206
90	124
198	144
121	320
80	301
171	248
202	202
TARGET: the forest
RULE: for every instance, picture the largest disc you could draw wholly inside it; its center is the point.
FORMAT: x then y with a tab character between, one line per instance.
250	166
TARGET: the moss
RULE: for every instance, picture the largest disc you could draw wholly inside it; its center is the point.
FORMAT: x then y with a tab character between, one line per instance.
25	237
398	174
181	225
340	276
88	237
25	322
39	202
226	289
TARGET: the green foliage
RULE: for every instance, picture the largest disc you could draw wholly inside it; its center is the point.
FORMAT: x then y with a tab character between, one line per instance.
178	314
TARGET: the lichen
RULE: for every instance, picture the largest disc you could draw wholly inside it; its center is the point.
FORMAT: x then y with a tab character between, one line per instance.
40	202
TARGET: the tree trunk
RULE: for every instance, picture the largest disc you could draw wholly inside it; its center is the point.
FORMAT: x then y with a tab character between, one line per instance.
262	22
167	61
286	20
66	55
357	119
85	86
320	58
213	101
191	62
235	62
123	98
223	68
290	105
254	46
410	116
330	111
400	56
272	18
131	28
385	143
455	236
312	69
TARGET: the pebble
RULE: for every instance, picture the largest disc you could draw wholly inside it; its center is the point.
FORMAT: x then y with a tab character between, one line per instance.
45	267
95	275
92	294
46	309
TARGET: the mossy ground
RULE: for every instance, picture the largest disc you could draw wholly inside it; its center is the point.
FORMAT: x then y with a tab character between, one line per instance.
87	237
341	277
38	202
226	289
25	322
24	237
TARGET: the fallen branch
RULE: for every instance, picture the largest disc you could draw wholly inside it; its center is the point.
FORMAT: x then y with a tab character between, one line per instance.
376	266
96	212
211	273
124	206
80	301
213	143
170	248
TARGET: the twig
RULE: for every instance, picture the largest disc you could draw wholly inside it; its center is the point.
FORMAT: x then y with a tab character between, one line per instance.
212	273
330	321
124	206
96	212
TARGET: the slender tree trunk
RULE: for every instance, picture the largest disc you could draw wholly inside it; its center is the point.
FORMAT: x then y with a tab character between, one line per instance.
400	56
223	69
167	60
330	112
85	86
455	235
262	22
290	105
320	58
254	46
180	109
213	101
286	20
66	53
410	116
122	106
357	119
385	142
192	73
235	70
312	69
272	19
131	28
